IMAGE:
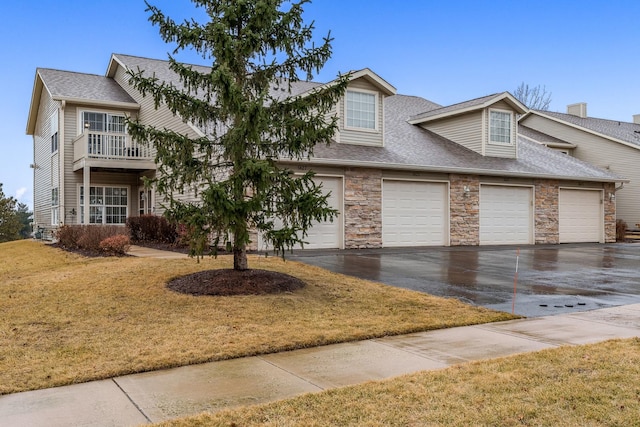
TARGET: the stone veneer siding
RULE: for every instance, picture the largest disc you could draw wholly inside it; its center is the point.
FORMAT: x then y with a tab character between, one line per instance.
362	208
609	213
546	212
464	210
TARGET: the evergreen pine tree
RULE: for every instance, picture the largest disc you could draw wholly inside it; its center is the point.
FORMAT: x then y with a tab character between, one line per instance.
257	49
9	222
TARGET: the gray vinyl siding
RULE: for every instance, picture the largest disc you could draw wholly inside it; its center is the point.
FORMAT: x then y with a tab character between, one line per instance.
160	118
509	151
367	137
70	191
43	172
601	152
465	130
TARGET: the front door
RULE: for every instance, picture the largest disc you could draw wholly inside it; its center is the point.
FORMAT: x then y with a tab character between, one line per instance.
145	202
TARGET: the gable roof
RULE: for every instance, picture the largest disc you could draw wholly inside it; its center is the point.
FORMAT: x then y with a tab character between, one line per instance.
625	133
411	147
82	88
468	106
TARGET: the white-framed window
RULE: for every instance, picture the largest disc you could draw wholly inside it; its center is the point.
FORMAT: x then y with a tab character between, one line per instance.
55	206
500	123
103	122
361	109
107	205
54	132
106	133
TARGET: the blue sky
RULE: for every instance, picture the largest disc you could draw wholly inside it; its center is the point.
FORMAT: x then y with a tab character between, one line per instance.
445	51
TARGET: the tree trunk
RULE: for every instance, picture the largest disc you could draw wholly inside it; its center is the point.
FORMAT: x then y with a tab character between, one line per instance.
240	258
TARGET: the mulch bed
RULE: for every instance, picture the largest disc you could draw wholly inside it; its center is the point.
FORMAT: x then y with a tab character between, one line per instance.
226	282
221	282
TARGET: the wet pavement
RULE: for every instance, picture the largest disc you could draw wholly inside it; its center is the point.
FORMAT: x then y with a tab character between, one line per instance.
156	396
552	279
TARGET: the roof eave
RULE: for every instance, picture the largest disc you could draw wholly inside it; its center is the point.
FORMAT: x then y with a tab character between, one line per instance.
447	169
38	86
99	103
114	63
380	83
506	96
593	132
550	144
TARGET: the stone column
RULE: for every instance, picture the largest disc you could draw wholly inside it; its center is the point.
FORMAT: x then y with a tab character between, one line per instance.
464	210
363	208
547	219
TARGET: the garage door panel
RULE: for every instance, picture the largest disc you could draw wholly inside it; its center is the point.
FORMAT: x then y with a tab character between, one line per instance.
325	234
505	215
580	216
414	213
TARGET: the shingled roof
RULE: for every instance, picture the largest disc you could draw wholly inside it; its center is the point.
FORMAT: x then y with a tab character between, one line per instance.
543	138
621	131
160	69
407	146
412	147
78	86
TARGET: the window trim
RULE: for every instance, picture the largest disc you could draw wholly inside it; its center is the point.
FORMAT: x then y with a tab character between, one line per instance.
104	205
107	113
511	128
55	142
376	108
55	206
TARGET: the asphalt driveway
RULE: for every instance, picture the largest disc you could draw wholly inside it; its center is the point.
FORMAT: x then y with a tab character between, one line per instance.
551	279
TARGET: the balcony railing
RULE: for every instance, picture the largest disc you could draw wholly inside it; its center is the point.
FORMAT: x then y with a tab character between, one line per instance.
109	146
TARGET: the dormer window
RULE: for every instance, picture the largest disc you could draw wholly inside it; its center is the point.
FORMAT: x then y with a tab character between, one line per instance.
500	127
361	110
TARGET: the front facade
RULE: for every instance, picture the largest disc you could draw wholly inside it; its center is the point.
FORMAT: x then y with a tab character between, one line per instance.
609	144
403	171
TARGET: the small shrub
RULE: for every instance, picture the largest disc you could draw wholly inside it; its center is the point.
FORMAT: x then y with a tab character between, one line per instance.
68	236
135	228
115	245
151	228
167	232
621	230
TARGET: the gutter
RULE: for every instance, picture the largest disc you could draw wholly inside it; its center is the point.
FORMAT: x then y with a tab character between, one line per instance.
97	102
443	169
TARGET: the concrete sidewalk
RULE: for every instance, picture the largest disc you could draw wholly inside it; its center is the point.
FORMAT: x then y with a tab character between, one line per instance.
162	395
144	252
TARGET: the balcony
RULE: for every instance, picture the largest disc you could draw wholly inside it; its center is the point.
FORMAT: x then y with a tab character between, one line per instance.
110	150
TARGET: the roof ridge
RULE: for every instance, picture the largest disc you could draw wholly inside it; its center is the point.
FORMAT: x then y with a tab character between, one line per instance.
70	72
586	118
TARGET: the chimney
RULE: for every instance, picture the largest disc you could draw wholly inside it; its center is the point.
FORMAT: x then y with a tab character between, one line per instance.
579	109
636	119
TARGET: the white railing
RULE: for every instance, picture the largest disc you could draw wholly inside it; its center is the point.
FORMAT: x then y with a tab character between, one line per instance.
103	145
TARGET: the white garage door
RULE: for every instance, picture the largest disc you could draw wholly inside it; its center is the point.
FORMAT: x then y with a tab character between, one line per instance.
326	234
580	216
414	213
505	215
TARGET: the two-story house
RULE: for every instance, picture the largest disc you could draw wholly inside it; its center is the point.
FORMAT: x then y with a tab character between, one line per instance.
612	145
403	171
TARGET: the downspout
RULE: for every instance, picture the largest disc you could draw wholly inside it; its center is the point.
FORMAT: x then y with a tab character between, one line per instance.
615	190
61	164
